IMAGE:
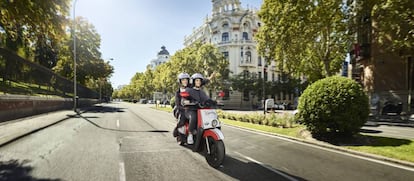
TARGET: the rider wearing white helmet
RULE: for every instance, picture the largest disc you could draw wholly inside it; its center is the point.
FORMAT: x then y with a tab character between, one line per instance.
196	94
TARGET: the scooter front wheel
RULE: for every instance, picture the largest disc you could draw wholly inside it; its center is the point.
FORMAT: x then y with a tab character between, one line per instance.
217	152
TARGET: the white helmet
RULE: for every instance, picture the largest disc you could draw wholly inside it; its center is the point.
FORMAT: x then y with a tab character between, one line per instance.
182	76
196	76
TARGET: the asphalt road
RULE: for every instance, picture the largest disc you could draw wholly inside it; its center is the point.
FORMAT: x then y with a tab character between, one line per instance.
122	141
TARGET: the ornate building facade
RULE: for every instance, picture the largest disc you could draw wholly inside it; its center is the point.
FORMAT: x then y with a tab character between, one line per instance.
232	28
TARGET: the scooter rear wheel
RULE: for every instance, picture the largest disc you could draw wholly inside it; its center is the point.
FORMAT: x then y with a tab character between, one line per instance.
217	152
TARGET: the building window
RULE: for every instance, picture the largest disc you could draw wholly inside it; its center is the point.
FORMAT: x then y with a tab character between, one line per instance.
225	25
260	74
245	36
265	75
259	61
225	37
226	55
273	77
241	52
249	57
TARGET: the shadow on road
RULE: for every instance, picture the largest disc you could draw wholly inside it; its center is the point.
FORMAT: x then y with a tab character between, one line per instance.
18	170
252	171
119	130
386	141
102	109
240	170
362	140
369	131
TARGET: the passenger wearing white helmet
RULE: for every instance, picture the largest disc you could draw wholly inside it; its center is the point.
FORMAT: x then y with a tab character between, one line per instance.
179	113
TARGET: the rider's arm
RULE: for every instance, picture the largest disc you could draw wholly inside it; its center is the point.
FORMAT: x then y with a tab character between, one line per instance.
207	80
178	100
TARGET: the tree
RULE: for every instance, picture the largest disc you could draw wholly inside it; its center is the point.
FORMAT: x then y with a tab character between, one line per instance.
395	24
25	23
90	65
304	37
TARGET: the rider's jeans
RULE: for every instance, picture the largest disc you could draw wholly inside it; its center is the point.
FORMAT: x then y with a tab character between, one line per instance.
192	116
181	119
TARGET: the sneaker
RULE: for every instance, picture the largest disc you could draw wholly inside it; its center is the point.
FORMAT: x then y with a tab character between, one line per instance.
190	140
175	132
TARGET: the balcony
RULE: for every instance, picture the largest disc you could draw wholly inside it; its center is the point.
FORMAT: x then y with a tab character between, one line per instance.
237	42
244	63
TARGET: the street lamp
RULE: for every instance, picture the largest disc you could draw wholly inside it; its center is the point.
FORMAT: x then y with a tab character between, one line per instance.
74	58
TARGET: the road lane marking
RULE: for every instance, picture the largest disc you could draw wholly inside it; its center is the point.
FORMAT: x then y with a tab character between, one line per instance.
326	149
117	123
121	171
267	167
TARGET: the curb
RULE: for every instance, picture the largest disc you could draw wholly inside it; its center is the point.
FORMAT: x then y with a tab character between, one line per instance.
333	147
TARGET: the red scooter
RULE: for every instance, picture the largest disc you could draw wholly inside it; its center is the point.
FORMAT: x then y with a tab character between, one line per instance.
209	138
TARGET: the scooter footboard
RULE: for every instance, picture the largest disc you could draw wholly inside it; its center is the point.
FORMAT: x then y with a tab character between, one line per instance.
215	133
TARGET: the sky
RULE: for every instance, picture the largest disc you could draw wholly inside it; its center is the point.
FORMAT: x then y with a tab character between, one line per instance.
133	31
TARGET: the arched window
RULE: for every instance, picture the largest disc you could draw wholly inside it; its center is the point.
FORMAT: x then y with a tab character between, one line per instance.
248	57
225	36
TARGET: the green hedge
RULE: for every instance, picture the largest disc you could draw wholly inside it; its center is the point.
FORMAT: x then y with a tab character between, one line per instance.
284	120
334	105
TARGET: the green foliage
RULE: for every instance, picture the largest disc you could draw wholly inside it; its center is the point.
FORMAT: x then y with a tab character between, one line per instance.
395	24
37	31
304	37
29	24
90	66
335	105
254	85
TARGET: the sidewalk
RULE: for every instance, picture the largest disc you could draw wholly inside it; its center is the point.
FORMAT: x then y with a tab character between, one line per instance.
15	129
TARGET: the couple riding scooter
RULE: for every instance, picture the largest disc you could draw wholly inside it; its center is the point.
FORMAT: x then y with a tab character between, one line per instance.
192	85
204	130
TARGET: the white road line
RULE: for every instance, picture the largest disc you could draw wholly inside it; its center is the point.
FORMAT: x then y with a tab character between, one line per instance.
117	123
121	171
267	167
327	149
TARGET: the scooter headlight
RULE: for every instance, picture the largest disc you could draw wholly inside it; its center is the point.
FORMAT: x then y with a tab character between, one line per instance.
214	123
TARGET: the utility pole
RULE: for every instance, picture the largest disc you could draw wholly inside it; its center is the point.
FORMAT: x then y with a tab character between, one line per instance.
264	97
74	59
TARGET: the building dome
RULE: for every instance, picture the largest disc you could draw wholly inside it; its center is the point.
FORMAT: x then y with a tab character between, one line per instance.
163	51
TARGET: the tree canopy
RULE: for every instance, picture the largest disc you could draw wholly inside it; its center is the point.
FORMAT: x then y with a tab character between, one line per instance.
304	37
41	31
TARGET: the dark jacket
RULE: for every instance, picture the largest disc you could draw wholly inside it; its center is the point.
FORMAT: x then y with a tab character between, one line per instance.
178	98
197	95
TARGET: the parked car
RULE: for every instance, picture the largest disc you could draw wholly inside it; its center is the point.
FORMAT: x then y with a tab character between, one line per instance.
143	101
151	102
